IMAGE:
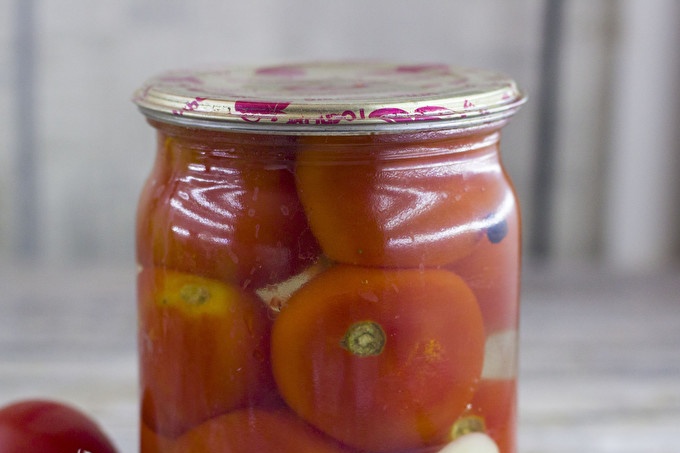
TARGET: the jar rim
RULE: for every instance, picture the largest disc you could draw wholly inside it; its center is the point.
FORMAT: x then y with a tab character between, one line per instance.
331	98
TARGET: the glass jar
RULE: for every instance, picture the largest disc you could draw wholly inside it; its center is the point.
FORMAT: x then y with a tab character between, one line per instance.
329	261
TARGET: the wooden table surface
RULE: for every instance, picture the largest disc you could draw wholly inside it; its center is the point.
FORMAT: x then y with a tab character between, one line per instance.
599	359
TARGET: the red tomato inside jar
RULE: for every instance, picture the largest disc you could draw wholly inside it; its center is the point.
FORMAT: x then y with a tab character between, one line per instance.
329	260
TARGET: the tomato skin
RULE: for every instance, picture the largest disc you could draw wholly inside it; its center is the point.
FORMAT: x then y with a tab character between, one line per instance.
496	401
247	431
492	272
405	394
152	442
494	408
389	212
204	348
224	217
49	427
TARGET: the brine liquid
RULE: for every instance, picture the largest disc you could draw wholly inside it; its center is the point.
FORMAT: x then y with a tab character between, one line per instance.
340	294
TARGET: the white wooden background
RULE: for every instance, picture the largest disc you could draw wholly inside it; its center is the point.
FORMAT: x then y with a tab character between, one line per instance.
74	151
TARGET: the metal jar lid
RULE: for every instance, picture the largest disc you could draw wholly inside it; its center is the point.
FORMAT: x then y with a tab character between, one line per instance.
331	98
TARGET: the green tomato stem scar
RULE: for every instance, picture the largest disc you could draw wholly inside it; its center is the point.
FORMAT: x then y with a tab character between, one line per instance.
364	339
194	294
468	424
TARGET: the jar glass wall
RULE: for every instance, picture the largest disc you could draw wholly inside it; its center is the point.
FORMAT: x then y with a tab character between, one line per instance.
339	292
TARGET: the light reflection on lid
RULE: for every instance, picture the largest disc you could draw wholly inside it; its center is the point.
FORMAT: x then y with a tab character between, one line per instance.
339	97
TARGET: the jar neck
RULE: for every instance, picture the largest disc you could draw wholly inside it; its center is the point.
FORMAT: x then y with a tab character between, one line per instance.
183	144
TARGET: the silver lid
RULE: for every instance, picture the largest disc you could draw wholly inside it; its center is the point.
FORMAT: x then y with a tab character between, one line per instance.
331	97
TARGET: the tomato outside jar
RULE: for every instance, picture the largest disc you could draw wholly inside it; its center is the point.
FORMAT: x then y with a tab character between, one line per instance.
329	260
